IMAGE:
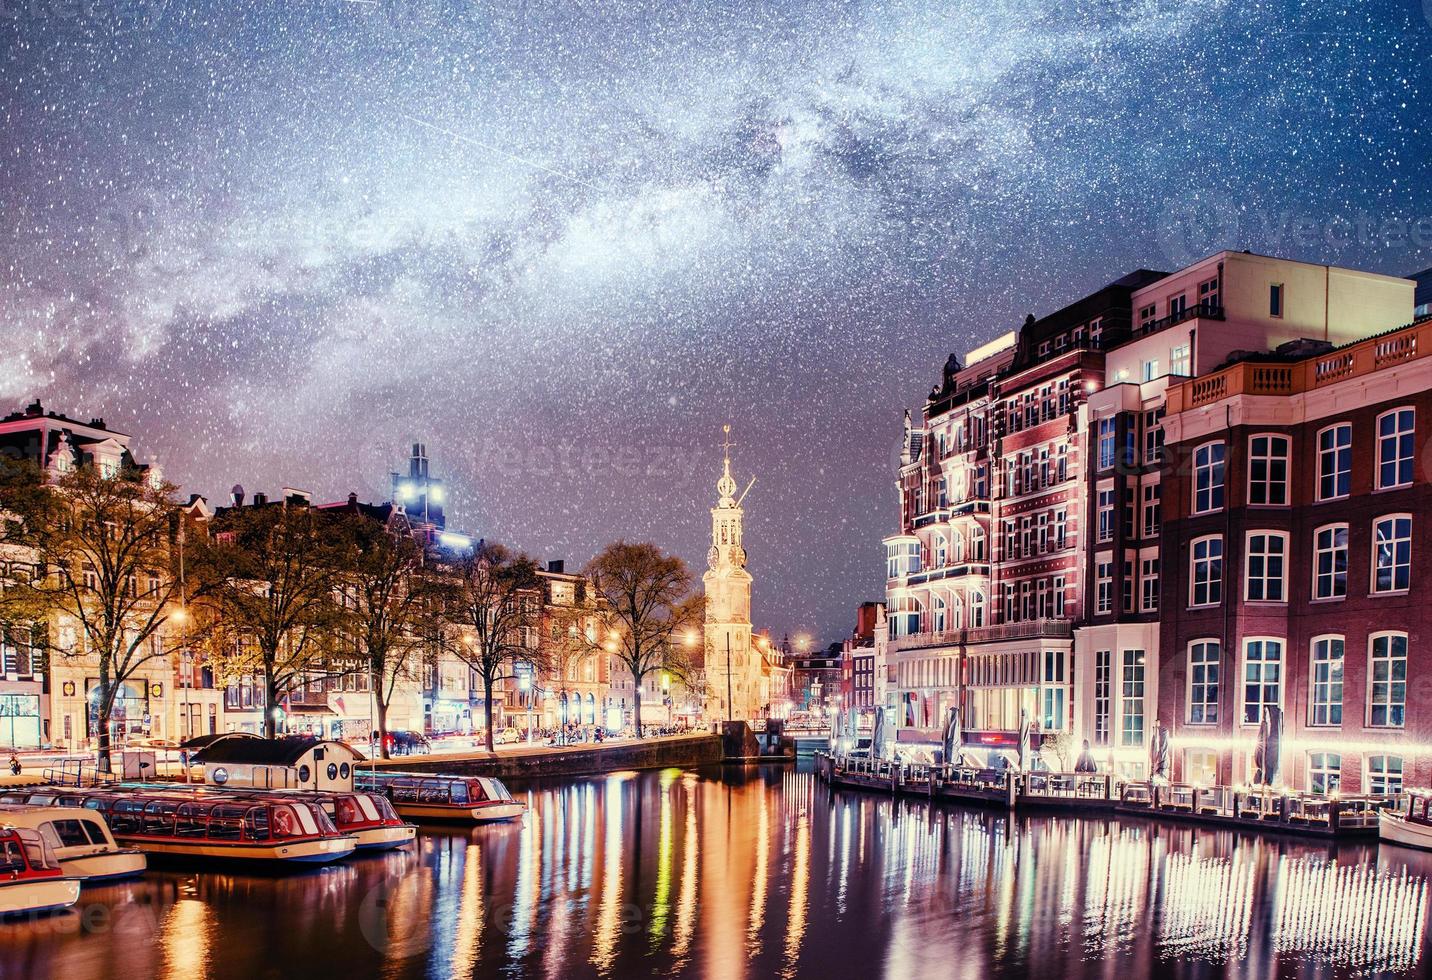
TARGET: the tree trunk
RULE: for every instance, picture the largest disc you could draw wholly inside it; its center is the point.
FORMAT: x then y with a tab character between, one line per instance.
382	725
103	761
487	710
636	714
270	703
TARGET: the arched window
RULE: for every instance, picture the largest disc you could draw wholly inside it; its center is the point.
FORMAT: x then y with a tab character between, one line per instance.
941	552
957	556
957	613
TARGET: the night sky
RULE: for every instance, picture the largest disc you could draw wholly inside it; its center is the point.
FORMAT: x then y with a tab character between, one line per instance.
563	242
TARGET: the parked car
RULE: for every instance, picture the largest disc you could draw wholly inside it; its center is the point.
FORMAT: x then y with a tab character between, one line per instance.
507	736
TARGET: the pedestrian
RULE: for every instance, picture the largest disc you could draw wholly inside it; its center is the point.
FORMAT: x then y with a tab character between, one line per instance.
1085	762
14	765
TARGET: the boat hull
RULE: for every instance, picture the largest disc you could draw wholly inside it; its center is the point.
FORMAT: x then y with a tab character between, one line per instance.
486	813
319	851
126	862
1396	829
38	895
385	838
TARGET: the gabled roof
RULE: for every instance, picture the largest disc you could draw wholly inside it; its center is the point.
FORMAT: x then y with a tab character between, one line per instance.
263	751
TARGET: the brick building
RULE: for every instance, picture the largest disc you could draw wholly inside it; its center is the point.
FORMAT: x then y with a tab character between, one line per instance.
1296	517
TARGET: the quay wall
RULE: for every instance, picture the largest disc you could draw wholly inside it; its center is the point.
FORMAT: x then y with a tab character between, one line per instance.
581	760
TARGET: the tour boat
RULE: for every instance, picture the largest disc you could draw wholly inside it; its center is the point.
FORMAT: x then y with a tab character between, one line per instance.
80	840
219	826
1410	829
31	879
369	817
430	796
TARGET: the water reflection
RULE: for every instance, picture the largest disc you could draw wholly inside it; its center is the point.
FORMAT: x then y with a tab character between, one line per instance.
731	874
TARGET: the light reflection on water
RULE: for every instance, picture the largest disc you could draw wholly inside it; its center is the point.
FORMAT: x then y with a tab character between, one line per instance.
761	873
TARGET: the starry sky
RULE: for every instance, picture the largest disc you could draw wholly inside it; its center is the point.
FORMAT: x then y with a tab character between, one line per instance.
562	242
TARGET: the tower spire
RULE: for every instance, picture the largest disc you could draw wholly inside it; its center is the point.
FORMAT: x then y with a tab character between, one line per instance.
726	486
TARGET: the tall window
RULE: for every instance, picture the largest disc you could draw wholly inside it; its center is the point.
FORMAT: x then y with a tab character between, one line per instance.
1131	718
1266	559
1206	578
1327	681
1103	679
1053	720
1153	435
1384	774
1275	299
1262	677
1208	478
1324	772
1335	462
1203	658
1107	429
1392	553
1105	508
1149	584
1394	448
1268	470
1387	681
1330	562
1152	492
977	609
1104	585
1179	361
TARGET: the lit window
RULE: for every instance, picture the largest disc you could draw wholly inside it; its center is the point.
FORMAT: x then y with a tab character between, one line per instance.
1131	728
1330	562
1394	448
1384	774
1387	689
1178	361
1324	773
1208	478
1106	443
1203	669
1266	555
1262	678
1335	462
1392	554
1268	470
1327	681
1206	587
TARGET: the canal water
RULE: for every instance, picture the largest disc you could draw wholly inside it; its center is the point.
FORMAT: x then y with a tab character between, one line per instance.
765	873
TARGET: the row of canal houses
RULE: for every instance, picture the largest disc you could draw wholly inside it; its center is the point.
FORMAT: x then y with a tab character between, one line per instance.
47	689
1177	501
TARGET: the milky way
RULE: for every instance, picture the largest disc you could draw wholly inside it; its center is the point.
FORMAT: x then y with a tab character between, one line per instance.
561	243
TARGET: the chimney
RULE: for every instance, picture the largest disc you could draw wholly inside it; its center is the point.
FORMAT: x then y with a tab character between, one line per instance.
557	567
260	499
236	495
352	499
35	410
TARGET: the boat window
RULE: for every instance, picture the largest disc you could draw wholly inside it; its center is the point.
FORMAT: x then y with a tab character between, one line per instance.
65	833
384	808
343	771
159	817
256	823
226	823
434	792
345	811
95	830
495	790
305	820
36	851
191	820
366	807
127	817
10	860
459	792
304	774
13	797
332	771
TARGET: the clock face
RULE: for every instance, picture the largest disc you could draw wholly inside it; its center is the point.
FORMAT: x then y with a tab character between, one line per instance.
738	556
713	556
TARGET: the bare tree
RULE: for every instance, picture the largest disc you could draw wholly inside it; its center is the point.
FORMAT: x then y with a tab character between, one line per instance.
497	605
273	572
103	548
650	606
396	611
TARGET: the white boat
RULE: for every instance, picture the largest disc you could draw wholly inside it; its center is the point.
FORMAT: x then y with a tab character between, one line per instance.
31	879
1410	829
80	840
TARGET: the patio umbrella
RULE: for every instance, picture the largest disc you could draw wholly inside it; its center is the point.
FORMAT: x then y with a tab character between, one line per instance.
1266	755
1158	753
1024	730
954	738
877	734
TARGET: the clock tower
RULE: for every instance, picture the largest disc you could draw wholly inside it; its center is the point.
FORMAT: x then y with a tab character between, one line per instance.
733	667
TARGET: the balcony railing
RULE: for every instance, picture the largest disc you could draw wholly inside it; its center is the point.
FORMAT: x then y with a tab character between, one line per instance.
1024	630
1287	378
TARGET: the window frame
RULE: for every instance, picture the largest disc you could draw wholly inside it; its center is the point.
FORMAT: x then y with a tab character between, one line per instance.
1262	682
1411	460
1313	682
1371	684
1216	663
1221	487
1269	461
1193	579
1319	551
1335	452
1282	579
1372	580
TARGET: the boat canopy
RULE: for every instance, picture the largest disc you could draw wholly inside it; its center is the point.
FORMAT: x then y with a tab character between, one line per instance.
211	818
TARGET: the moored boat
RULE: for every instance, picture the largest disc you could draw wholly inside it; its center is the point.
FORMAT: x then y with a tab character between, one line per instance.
369	817
431	796
218	826
31	879
80	840
1410	829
